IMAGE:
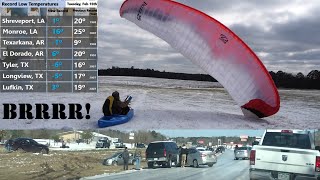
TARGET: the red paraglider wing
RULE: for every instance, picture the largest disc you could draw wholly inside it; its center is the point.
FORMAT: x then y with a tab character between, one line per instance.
212	46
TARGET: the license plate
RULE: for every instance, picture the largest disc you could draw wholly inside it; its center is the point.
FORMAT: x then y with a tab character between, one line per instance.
283	176
155	158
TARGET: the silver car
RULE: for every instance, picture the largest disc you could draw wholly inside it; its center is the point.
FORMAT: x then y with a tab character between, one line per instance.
200	156
242	153
117	159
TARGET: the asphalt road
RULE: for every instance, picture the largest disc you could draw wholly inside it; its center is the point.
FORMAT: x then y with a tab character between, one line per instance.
226	168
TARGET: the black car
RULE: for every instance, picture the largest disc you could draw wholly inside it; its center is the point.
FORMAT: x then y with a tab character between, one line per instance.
162	153
140	145
210	149
220	149
28	145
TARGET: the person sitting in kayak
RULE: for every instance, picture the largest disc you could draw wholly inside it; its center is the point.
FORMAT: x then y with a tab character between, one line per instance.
113	105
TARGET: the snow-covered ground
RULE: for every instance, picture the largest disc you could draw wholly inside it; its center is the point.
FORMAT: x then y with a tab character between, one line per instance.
171	104
73	146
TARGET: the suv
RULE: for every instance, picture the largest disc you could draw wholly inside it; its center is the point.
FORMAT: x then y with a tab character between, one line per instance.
242	153
162	153
29	145
103	143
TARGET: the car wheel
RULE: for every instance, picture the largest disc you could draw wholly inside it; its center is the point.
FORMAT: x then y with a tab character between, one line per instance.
150	164
235	158
210	165
195	163
169	163
20	150
44	151
114	163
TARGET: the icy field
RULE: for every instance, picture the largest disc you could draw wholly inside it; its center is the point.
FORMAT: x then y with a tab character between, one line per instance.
172	104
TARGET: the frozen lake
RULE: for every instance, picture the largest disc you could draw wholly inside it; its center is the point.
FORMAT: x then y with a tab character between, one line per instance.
171	104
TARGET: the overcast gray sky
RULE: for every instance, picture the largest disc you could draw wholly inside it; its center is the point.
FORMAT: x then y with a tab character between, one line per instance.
284	34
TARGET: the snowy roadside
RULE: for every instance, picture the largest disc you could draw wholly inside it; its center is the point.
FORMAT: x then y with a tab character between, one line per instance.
105	175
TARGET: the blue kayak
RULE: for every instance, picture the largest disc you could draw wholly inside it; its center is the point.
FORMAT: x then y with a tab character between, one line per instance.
107	121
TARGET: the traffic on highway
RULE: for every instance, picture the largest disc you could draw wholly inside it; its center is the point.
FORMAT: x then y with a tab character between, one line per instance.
270	154
278	154
225	168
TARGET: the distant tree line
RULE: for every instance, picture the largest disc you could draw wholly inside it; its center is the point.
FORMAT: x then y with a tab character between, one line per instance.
234	139
298	81
35	134
116	71
281	79
139	136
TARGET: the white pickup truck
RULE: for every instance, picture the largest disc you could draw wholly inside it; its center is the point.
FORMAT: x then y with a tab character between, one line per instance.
285	155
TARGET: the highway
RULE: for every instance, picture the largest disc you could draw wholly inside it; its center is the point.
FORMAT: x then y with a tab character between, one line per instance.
226	168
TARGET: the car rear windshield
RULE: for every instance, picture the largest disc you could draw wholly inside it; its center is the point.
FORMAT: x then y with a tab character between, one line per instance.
243	148
291	140
155	146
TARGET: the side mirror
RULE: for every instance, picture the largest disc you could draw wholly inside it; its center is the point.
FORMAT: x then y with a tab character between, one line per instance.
318	148
255	143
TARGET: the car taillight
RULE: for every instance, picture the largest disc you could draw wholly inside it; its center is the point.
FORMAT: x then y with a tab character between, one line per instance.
253	157
318	163
286	131
164	152
203	155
